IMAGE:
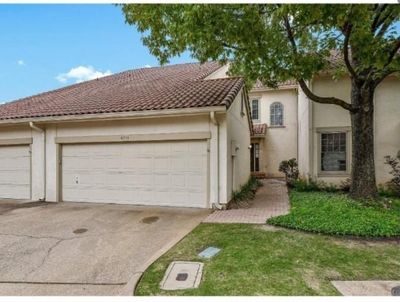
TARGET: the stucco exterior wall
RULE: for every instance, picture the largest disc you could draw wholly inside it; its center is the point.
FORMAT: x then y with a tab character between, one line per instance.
387	126
329	117
387	122
238	142
219	73
305	138
280	142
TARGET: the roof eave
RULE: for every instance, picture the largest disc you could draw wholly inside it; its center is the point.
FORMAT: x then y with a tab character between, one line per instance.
283	87
116	115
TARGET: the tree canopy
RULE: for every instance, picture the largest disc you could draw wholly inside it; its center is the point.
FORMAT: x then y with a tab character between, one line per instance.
274	43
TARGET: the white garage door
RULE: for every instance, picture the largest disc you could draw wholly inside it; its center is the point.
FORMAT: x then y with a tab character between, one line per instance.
150	173
15	172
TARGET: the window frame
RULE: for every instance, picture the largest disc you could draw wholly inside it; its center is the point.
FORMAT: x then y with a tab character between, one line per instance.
258	109
270	115
347	131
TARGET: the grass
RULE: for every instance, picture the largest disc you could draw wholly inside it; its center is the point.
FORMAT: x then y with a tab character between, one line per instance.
337	214
259	261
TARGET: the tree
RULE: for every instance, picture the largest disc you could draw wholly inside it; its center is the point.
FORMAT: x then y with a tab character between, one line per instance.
275	43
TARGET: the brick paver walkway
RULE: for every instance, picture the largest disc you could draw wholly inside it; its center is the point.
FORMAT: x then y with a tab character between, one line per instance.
271	200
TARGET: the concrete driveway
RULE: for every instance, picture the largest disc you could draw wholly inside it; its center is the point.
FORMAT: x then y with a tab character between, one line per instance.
84	249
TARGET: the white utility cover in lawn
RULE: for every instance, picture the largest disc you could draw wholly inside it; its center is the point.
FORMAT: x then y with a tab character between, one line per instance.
145	173
15	172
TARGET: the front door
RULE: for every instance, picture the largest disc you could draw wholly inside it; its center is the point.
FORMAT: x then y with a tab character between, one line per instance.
255	157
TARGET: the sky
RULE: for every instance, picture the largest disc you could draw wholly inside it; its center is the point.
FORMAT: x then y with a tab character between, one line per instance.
44	47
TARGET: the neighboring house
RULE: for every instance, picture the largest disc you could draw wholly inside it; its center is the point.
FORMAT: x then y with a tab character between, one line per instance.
166	136
288	125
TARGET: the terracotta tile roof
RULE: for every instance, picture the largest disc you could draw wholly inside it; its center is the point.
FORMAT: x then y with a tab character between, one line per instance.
335	61
168	87
259	129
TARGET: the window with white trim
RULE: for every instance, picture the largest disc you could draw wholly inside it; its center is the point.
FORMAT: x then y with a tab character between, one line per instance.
276	114
334	152
254	109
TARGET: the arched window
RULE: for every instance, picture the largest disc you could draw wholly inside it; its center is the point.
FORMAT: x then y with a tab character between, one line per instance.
276	114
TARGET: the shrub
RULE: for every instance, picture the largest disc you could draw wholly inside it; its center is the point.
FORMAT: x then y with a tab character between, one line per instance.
290	169
246	192
345	185
311	185
394	184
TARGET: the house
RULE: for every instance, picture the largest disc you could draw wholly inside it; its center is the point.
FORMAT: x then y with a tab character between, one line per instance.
183	135
286	124
168	136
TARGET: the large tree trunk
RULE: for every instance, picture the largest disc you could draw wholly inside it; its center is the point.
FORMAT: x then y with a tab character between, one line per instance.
363	182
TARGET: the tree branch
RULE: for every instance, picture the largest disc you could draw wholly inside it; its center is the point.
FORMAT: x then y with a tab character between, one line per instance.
347	31
303	85
384	24
324	100
393	52
226	45
377	21
385	74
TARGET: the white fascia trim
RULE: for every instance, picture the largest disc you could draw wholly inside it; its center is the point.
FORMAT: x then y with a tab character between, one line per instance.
116	115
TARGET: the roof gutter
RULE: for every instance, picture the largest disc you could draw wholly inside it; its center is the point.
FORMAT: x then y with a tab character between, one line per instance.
115	115
214	120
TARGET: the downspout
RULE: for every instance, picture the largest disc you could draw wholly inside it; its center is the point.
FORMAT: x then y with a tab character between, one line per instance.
40	130
214	120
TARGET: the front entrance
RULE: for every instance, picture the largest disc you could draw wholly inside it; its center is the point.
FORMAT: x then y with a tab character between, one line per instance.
255	157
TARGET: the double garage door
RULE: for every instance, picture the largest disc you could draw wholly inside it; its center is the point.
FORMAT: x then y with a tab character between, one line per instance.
15	172
172	173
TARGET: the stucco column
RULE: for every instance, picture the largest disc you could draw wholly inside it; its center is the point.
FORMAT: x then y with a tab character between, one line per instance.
304	133
51	164
38	165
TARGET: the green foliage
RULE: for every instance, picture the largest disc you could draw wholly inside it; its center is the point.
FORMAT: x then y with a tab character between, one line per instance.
290	169
255	39
255	261
337	214
393	186
387	191
310	185
246	192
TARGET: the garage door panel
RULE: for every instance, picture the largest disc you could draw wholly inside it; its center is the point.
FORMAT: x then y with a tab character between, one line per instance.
152	173
15	177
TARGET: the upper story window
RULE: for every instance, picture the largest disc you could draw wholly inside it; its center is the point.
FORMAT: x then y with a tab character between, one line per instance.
254	109
276	114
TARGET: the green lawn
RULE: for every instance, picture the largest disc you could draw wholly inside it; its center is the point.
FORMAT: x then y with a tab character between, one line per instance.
337	214
257	261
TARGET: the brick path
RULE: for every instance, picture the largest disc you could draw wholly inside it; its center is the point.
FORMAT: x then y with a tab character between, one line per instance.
271	200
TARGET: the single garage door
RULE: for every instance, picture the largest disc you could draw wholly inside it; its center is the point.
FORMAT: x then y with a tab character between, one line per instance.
148	173
15	172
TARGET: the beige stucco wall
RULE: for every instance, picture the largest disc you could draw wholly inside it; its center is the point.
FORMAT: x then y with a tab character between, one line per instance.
238	142
387	121
305	137
219	73
280	142
387	125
